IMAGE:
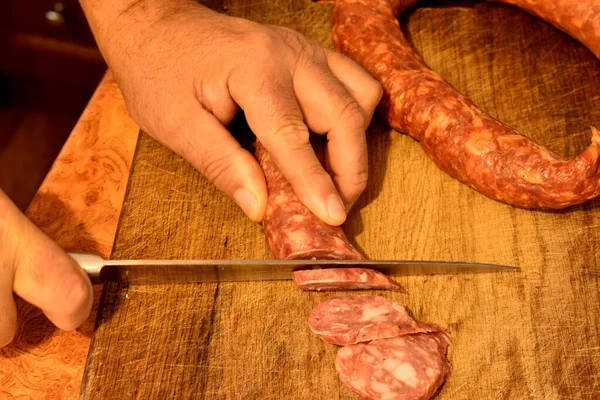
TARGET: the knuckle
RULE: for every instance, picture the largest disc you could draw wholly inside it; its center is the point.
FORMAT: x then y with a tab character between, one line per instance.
359	180
353	185
262	42
292	131
317	173
289	35
215	165
352	114
77	295
316	170
373	93
301	45
69	293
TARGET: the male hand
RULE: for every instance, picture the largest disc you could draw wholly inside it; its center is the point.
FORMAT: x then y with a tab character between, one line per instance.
40	272
185	70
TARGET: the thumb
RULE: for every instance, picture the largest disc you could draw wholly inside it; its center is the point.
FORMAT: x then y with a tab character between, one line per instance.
211	148
43	274
8	309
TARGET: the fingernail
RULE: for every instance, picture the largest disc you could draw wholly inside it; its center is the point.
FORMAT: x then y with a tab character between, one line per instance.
335	208
246	200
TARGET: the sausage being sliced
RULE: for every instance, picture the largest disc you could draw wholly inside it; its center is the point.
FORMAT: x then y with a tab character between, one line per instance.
332	279
292	230
462	140
408	367
353	319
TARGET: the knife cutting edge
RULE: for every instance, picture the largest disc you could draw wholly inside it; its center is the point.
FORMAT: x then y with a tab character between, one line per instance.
139	272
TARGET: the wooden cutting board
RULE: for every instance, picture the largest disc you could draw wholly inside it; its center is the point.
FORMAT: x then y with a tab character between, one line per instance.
527	335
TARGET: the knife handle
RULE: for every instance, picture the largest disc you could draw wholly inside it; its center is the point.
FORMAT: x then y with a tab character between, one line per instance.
91	263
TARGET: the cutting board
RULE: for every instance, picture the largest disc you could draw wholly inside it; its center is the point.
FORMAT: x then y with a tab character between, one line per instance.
527	335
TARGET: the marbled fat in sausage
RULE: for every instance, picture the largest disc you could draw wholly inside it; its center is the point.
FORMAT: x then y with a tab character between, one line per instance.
292	230
353	319
408	367
332	279
460	138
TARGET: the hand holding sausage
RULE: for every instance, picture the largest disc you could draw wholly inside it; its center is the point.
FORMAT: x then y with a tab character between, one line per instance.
35	268
185	70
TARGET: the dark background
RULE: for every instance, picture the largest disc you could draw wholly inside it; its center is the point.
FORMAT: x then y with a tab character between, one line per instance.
49	67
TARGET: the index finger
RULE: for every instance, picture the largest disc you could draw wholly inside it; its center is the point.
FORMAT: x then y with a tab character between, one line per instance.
274	115
366	92
329	108
44	275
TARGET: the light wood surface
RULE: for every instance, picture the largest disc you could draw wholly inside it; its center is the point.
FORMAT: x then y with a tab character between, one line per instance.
527	335
78	205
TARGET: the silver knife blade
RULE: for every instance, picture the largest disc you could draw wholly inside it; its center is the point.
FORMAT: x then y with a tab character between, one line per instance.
150	272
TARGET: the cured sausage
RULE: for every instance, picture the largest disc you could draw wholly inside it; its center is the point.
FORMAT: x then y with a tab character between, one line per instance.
403	359
408	367
579	19
353	319
461	139
331	279
292	230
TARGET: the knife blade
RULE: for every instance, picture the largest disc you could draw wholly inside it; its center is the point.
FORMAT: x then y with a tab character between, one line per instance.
149	272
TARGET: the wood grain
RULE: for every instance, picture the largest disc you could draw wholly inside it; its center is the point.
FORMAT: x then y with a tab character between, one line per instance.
78	206
527	335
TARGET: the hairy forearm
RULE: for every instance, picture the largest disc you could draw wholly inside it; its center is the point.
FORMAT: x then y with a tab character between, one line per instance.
114	22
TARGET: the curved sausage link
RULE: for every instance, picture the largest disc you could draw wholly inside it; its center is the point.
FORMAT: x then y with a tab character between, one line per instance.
461	139
579	19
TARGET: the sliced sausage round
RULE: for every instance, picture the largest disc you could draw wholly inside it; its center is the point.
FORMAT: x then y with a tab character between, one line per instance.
353	319
331	279
408	367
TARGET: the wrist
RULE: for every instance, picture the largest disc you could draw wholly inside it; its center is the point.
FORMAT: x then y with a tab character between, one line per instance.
117	23
102	14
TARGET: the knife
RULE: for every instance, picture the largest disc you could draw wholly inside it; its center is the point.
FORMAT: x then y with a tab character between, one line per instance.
149	272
